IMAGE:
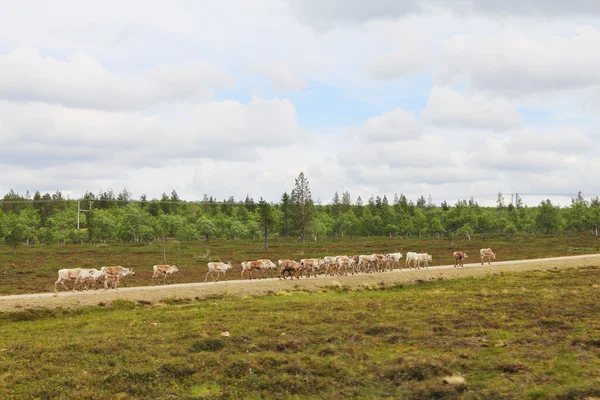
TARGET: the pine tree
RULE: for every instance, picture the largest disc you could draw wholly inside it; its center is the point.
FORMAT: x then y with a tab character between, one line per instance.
164	203
286	211
371	205
500	204
143	200
266	219
385	203
548	218
39	206
518	201
249	203
123	198
302	201
378	205
358	207
335	205
346	202
445	205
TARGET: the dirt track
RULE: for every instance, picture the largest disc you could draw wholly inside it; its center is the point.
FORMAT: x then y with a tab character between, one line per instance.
274	285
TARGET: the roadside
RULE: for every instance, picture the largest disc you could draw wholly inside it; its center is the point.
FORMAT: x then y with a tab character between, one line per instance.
245	288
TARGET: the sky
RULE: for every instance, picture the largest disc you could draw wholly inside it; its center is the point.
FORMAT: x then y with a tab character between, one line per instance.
448	99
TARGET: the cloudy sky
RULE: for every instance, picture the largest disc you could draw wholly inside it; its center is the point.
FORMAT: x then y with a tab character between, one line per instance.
236	97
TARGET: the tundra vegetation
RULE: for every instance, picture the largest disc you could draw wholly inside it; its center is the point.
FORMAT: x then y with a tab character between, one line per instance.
33	268
530	335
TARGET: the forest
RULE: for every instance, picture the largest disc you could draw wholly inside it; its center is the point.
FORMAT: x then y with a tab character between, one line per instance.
106	216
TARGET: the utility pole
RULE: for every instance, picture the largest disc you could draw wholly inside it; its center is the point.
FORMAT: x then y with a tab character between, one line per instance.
79	210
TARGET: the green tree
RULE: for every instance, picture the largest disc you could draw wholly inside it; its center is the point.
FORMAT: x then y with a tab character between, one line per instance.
435	227
165	203
302	204
346	204
286	214
228	206
106	199
17	232
143	200
371	224
594	215
123	198
445	206
358	207
154	208
347	223
266	219
136	224
3	225
13	202
500	203
316	228
419	220
510	229
372	206
466	230
578	214
206	228
548	218
171	225
518	201
188	233
105	225
336	206
249	203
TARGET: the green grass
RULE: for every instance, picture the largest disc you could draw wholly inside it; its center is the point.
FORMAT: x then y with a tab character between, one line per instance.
34	268
530	335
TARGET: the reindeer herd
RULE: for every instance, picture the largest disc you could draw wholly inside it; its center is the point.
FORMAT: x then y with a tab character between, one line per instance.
306	267
336	265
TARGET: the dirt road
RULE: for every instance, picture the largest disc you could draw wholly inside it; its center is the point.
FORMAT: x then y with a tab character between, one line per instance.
244	288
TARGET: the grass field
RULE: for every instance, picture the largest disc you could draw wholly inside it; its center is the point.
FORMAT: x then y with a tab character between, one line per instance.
529	335
33	269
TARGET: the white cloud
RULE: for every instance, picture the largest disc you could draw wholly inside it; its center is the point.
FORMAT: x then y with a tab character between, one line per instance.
188	81
516	63
81	82
448	108
25	75
326	15
218	130
100	95
535	151
566	140
284	80
386	177
391	126
410	57
430	151
527	8
323	15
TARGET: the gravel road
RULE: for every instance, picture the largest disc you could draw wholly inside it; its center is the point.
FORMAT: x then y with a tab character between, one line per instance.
258	287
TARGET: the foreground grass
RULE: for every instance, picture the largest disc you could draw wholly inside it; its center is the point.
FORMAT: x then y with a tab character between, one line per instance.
34	268
529	335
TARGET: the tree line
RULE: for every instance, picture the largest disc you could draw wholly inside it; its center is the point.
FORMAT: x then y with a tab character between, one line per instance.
51	218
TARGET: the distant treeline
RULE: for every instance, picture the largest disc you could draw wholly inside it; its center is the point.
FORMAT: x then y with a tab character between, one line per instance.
50	218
